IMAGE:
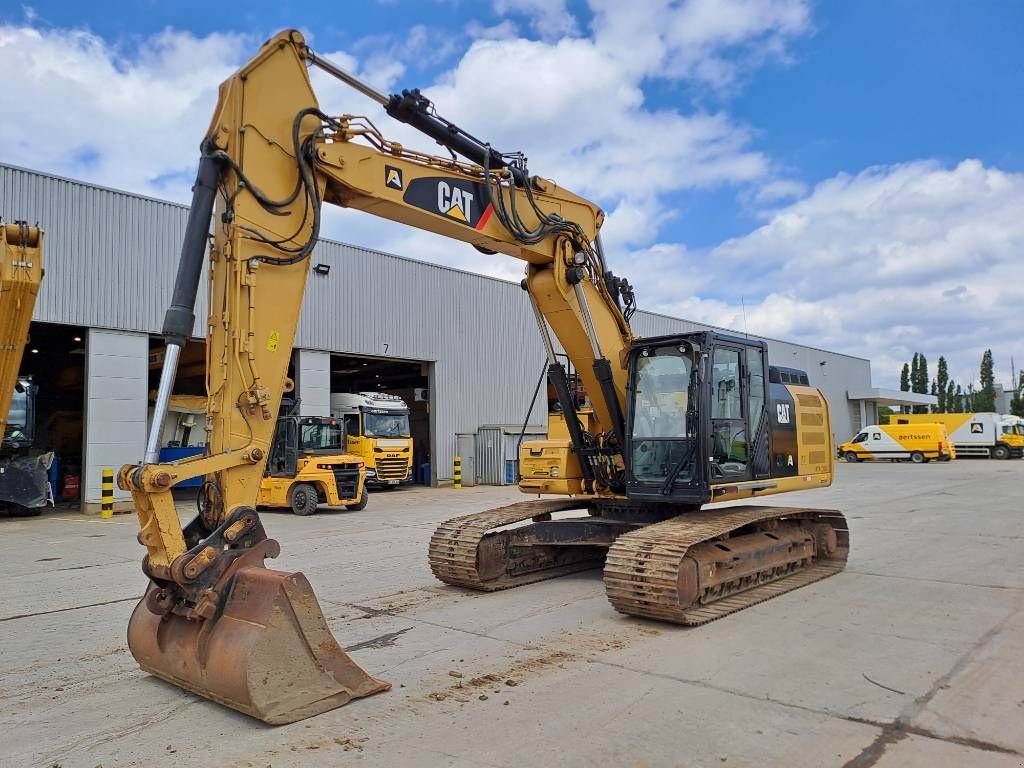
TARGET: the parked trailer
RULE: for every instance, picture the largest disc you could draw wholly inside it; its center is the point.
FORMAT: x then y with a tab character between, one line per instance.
985	435
918	443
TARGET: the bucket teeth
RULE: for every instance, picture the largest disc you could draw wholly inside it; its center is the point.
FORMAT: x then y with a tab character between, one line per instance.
268	651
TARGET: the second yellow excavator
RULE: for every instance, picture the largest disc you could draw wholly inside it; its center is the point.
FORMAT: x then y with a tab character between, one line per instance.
670	424
24	482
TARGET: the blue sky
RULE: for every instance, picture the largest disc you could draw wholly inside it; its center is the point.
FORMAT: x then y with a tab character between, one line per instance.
825	164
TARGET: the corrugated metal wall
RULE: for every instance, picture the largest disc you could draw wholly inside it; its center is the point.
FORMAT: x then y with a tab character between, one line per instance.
111	259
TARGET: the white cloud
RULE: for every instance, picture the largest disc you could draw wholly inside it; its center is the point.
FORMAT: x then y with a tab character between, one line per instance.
83	108
711	41
779	189
893	260
500	31
548	18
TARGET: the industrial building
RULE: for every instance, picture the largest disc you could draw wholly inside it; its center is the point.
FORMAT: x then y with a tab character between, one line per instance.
461	348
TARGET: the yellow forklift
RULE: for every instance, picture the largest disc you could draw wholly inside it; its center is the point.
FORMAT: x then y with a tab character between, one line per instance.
308	466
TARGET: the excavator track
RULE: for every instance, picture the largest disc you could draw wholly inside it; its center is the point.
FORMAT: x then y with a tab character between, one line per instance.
467	551
647	571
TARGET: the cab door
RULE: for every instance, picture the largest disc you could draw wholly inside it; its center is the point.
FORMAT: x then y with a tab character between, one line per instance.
284	452
758	423
730	437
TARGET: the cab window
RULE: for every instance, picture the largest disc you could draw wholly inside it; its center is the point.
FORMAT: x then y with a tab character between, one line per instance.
352	424
860	438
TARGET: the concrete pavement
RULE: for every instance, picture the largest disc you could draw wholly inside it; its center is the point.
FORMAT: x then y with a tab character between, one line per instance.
912	656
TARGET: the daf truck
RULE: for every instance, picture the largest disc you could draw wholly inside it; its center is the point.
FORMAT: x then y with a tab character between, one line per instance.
377	430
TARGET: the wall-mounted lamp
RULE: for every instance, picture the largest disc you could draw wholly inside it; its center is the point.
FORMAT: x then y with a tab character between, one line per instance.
322	269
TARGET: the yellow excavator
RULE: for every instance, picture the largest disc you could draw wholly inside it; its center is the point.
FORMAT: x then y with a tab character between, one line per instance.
670	424
24	485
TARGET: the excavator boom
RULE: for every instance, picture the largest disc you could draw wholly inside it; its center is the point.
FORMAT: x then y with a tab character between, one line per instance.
21	272
24	480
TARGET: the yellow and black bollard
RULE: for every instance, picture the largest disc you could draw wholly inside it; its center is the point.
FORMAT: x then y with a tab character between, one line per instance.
457	472
107	493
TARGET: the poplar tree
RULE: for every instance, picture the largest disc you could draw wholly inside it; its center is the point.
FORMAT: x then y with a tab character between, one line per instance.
1017	401
985	398
920	383
942	383
905	384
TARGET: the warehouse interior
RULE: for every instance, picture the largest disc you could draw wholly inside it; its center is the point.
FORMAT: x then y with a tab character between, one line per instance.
407	379
54	360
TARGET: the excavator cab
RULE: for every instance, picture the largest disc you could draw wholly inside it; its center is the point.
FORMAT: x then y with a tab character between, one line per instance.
697	417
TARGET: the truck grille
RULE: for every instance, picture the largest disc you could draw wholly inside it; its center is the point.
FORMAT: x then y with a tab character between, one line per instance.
346	478
393	469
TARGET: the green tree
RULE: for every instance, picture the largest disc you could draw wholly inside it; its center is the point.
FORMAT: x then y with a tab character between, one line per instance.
951	390
884	414
935	394
969	399
1017	401
905	382
920	383
942	383
985	399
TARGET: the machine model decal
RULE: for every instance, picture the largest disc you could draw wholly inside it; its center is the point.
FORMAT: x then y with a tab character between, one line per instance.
461	201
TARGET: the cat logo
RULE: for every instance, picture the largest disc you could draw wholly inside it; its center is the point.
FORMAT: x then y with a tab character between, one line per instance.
393	177
455	202
451	198
782	413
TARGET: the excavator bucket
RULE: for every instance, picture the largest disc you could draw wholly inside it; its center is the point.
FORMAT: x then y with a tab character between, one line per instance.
268	652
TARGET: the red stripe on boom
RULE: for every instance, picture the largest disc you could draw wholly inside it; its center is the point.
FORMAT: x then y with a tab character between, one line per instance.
485	217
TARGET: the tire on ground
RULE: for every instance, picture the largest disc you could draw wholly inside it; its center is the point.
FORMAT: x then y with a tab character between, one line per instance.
361	504
304	499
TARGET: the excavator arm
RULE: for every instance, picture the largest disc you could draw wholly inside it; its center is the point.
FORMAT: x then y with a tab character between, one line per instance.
214	618
21	273
24	480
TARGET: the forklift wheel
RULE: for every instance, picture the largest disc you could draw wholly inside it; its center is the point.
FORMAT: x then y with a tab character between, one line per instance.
304	499
361	504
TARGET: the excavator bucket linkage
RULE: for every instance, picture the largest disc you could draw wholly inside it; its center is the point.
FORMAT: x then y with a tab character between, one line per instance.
222	625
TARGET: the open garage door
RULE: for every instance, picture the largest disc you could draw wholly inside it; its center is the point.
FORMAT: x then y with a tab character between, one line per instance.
54	360
406	380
